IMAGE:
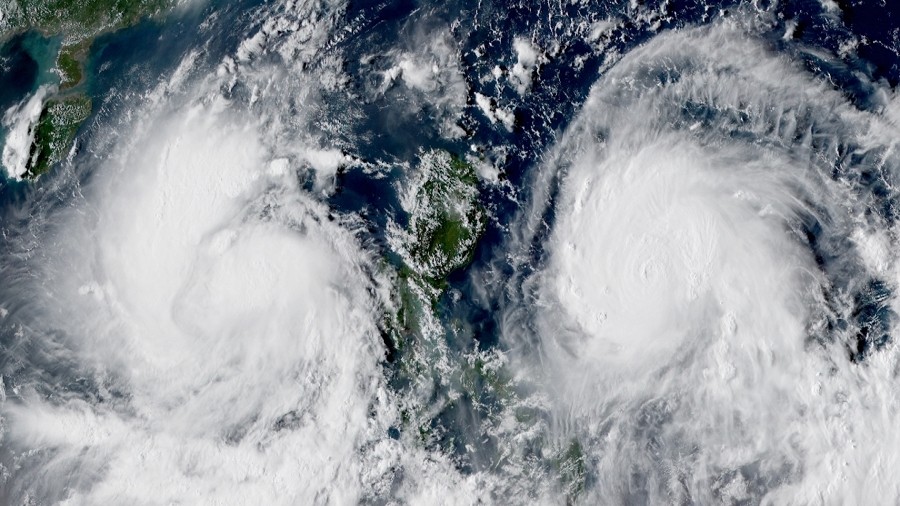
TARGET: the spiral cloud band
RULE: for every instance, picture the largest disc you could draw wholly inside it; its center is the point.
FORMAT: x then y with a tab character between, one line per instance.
710	232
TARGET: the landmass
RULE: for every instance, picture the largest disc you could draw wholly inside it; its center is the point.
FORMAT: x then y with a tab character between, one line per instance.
445	220
78	23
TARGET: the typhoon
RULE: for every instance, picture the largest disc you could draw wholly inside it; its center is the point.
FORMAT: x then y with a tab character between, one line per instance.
499	252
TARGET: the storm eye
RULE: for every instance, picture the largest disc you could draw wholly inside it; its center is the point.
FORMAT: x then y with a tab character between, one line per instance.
662	249
711	256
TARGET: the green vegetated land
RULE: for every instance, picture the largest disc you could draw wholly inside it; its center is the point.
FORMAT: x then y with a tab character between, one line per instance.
447	218
78	23
55	130
77	20
445	221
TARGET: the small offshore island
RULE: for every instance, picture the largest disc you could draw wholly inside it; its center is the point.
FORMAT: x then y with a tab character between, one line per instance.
78	23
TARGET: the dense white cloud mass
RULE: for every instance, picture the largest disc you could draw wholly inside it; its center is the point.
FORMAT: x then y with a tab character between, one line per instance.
526	60
220	321
230	313
21	121
682	310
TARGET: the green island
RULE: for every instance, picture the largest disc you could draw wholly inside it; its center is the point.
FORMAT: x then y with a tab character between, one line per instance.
446	220
78	23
